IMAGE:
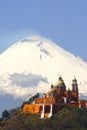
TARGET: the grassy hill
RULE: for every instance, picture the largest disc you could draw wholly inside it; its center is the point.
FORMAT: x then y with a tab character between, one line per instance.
66	119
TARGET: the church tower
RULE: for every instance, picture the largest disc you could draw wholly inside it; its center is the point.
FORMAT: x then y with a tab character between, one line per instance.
74	85
75	90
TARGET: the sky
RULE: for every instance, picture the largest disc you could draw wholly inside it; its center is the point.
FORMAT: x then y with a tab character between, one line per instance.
62	21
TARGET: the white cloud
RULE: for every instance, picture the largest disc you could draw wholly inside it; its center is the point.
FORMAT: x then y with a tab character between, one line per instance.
21	85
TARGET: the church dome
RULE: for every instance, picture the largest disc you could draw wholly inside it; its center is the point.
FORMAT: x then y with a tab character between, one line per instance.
59	82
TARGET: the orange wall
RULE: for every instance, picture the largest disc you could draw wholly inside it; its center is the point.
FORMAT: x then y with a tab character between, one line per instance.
45	100
31	108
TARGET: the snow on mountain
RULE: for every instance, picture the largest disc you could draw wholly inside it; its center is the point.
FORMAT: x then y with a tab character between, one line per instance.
32	64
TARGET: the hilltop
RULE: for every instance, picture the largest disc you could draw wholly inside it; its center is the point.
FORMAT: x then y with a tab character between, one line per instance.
66	119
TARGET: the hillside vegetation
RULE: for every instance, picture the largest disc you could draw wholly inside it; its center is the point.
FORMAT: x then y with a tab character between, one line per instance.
66	119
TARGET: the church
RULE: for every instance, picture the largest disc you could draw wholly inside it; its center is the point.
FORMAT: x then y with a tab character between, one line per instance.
56	99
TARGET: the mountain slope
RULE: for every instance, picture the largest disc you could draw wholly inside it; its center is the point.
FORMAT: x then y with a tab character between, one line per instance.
66	119
30	65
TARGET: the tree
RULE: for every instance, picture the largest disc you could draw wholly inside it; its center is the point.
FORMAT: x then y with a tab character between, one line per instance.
5	114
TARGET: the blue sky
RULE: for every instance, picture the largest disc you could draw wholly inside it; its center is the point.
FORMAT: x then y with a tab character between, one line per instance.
63	21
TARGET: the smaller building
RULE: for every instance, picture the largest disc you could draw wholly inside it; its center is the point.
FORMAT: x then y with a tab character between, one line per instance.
55	99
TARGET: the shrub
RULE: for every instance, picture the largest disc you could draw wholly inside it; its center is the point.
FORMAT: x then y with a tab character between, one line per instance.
5	114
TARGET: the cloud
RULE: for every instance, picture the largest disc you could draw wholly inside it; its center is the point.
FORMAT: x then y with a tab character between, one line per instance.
26	80
23	86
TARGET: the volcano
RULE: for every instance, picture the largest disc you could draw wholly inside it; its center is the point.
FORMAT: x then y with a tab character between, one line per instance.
34	63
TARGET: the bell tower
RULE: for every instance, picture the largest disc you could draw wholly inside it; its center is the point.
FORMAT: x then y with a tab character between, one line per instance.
75	90
74	85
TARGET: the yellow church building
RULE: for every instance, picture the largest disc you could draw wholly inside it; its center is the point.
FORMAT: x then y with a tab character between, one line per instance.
55	99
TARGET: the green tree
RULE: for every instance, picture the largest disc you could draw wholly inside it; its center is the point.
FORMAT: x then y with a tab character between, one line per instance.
5	114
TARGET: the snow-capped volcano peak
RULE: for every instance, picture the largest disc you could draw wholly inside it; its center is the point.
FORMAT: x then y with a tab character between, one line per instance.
38	60
30	65
33	38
